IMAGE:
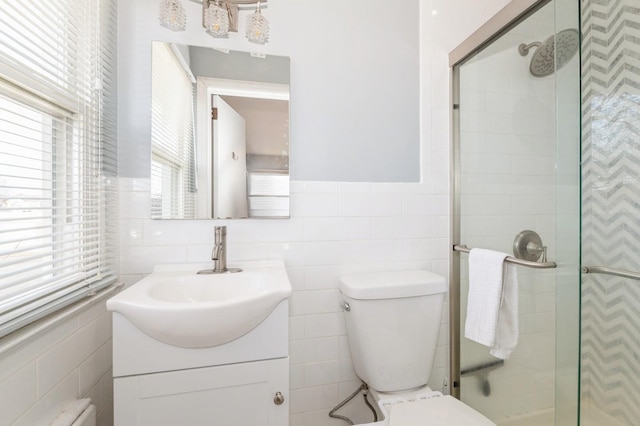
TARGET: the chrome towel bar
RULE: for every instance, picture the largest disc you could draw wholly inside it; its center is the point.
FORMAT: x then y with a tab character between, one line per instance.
528	263
611	271
482	367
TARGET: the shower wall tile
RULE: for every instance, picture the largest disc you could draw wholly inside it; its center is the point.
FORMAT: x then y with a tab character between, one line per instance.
611	165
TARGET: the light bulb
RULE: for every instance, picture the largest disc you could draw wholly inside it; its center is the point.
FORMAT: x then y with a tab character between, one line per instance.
172	15
216	21
257	27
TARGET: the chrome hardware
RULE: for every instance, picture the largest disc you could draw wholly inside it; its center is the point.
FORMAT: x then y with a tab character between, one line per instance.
219	253
523	49
528	246
536	265
611	271
482	371
278	399
492	365
365	391
346	307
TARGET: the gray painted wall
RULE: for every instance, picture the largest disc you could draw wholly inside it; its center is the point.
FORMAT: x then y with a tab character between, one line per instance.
235	65
354	88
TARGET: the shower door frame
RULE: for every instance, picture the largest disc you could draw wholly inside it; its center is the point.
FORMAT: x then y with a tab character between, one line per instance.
508	17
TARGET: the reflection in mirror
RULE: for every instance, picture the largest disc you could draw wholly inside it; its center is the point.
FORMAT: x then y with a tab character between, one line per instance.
219	134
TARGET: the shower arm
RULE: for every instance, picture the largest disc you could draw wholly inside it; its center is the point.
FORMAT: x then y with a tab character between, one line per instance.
523	49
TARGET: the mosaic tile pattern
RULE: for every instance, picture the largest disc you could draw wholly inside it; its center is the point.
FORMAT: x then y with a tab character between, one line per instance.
611	206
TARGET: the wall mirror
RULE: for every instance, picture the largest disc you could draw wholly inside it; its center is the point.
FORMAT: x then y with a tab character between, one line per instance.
219	134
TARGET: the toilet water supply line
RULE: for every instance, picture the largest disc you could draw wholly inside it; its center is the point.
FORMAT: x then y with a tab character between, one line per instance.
363	388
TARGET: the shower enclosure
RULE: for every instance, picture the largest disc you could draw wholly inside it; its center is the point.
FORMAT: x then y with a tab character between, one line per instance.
546	107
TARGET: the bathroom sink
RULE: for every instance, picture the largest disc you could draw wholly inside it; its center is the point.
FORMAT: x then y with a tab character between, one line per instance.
177	306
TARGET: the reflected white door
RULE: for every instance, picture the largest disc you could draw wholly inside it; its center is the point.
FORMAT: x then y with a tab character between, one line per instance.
230	160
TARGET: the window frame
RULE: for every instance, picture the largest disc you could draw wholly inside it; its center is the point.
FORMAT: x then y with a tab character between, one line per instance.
62	71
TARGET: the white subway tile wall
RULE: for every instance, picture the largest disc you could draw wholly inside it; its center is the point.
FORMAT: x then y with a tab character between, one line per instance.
330	222
361	227
70	361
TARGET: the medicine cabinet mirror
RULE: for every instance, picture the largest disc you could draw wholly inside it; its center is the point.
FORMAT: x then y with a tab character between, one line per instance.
219	134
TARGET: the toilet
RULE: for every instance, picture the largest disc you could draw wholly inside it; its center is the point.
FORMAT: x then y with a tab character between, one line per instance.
392	320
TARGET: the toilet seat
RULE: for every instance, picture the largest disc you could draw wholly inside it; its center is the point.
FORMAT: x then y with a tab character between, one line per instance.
437	411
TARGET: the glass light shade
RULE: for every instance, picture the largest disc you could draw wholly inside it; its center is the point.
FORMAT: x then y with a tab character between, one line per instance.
172	15
257	27
216	21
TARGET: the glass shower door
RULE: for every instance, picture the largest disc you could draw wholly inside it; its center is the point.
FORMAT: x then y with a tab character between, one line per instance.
517	170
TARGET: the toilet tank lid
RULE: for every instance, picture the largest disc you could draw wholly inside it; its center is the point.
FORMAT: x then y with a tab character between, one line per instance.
392	284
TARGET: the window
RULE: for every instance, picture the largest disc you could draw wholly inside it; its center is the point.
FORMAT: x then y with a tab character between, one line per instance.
173	180
57	155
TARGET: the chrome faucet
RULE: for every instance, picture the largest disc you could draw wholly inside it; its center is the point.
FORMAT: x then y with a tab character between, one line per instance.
219	253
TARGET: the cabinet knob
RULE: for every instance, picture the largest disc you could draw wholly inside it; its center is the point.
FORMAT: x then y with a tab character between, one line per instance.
278	399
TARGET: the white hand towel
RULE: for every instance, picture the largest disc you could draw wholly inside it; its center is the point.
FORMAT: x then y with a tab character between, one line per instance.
492	305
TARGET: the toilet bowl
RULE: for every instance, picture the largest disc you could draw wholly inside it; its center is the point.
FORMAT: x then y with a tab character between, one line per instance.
392	321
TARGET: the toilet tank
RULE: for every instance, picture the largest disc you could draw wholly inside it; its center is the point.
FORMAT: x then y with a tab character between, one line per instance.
393	320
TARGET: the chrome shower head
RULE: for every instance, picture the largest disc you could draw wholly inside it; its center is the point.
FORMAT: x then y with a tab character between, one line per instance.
553	53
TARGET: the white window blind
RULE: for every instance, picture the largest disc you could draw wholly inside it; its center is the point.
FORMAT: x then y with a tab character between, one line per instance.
57	155
173	177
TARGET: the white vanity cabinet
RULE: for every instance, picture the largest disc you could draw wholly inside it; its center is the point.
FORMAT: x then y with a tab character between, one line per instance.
242	380
242	383
227	395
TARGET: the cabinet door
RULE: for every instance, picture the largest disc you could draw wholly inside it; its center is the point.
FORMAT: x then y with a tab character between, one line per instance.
230	395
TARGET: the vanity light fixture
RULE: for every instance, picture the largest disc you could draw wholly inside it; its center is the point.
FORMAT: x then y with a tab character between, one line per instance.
219	17
257	27
216	20
172	15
